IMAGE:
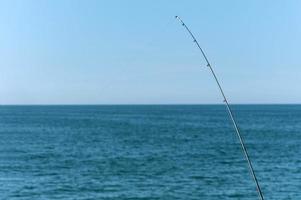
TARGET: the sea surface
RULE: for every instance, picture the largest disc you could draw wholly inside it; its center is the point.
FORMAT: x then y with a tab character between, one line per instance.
145	152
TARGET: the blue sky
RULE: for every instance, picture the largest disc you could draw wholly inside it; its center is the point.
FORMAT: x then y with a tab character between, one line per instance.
135	52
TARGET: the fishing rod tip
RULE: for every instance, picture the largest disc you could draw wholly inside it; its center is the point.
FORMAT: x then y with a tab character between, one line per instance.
176	16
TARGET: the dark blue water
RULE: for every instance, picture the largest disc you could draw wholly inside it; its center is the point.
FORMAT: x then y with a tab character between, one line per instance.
148	152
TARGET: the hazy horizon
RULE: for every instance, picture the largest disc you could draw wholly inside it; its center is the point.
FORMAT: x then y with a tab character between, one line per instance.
158	104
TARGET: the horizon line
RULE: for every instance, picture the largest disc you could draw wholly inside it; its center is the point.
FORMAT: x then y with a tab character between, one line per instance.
148	104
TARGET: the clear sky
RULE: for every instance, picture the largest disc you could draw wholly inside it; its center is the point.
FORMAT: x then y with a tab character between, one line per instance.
135	52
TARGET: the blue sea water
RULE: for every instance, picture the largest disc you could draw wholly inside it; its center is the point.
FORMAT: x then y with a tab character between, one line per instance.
148	152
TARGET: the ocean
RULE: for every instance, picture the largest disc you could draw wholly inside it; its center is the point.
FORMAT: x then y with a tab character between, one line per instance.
148	152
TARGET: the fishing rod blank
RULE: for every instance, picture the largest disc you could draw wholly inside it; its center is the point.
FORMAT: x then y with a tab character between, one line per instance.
260	195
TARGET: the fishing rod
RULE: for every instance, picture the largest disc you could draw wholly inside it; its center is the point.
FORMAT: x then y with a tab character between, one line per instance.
246	154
